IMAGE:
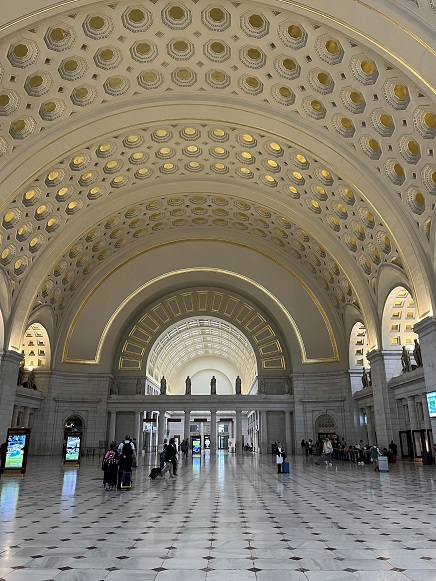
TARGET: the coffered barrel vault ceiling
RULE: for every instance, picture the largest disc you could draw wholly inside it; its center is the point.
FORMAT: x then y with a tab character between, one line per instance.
329	170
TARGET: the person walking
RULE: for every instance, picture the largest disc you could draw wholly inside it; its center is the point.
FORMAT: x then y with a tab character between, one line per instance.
126	453
162	449
374	454
328	451
110	467
170	459
394	449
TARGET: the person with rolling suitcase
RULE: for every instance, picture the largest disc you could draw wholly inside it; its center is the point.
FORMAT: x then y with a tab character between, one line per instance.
126	453
280	459
154	473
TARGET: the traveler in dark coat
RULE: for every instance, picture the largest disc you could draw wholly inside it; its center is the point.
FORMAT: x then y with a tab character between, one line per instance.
170	459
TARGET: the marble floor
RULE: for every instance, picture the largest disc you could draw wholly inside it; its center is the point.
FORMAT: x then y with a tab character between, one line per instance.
223	518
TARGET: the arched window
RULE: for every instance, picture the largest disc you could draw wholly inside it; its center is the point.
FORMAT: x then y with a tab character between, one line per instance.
35	347
358	347
399	317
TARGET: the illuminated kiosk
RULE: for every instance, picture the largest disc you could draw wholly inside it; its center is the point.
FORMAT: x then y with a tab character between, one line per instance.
16	451
196	446
73	441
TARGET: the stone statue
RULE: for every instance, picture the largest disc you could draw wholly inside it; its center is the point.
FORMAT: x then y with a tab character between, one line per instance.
288	385
188	386
405	360
114	387
238	385
365	378
138	386
213	385
31	380
163	386
260	385
417	353
20	377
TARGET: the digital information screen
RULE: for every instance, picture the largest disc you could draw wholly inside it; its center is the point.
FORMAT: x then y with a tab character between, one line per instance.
431	402
17	448
72	452
196	446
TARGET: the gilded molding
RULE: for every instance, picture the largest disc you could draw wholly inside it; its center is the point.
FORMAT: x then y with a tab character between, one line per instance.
304	359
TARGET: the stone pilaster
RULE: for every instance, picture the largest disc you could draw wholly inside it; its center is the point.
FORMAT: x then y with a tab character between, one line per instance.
383	367
9	365
426	330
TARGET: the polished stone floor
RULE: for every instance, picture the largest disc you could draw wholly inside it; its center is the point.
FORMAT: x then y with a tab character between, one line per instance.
224	518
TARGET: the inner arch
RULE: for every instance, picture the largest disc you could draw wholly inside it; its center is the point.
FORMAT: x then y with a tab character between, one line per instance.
199	345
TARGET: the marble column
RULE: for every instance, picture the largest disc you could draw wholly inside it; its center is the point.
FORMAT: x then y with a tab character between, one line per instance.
140	434
26	416
288	432
427	420
135	425
161	428
413	417
187	427
202	435
213	431
112	426
370	426
263	433
238	435
15	417
414	425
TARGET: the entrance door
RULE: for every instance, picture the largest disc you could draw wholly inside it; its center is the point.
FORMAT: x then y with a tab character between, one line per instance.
223	442
406	444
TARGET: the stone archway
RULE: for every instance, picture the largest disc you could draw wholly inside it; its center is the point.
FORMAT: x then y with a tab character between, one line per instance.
259	329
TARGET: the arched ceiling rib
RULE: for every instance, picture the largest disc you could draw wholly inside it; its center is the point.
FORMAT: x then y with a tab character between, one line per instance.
201	337
87	178
107	57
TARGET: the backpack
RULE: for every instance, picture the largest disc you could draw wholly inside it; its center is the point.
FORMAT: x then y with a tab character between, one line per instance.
127	450
109	459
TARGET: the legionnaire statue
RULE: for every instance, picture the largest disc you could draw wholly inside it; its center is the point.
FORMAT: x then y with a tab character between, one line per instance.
163	386
21	372
417	353
365	380
188	386
238	385
261	385
114	387
213	385
31	380
405	360
138	386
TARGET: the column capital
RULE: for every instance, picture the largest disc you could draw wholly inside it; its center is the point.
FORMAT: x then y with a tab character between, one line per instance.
382	354
425	326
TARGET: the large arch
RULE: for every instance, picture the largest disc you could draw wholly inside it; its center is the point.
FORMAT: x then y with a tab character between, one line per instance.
263	333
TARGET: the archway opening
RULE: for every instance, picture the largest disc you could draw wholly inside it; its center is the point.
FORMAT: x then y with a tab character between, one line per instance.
203	348
399	318
35	347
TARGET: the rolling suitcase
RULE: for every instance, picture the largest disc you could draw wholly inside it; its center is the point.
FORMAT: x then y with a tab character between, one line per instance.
285	467
126	481
155	473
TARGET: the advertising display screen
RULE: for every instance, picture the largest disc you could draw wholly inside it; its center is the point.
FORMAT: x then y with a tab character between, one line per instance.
196	446
15	451
17	448
431	402
72	452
